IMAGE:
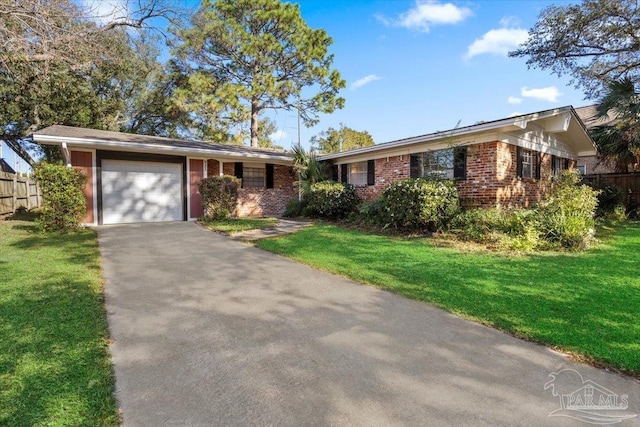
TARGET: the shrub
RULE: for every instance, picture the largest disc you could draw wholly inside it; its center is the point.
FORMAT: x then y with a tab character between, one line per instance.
330	199
419	204
609	198
64	205
219	196
295	208
567	214
509	229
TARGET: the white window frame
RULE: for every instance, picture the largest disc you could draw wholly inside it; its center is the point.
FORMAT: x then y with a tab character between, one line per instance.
358	174
254	176
439	163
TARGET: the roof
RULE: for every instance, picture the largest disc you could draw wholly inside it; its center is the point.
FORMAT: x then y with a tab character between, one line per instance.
102	139
589	116
5	167
514	123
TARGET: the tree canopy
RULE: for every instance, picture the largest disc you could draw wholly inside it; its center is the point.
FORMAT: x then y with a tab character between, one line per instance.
594	42
242	57
619	142
342	139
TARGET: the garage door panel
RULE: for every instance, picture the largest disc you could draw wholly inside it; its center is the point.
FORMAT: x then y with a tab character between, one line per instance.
141	191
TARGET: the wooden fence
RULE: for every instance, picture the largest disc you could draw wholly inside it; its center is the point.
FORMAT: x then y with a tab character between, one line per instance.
18	191
629	183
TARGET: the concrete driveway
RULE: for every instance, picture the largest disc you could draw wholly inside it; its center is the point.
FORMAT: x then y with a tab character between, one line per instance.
212	332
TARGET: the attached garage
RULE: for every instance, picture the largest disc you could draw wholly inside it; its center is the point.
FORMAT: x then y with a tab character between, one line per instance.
141	191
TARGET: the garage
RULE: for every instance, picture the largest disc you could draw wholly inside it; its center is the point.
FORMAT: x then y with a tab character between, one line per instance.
141	191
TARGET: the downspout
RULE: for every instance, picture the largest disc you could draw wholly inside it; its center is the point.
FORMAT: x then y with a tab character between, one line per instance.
66	155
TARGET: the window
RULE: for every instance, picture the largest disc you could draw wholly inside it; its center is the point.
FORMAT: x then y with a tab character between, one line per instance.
525	164
358	174
449	163
582	169
253	177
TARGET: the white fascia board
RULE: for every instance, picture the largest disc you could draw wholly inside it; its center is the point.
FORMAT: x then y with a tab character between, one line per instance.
158	149
587	153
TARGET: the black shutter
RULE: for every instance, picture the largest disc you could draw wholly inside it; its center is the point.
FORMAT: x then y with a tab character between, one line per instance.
519	164
269	175
371	172
334	172
553	165
566	163
460	163
538	165
237	170
414	166
343	173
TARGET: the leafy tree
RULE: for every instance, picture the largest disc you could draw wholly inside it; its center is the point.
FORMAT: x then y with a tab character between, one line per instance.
241	57
57	66
594	42
342	139
619	142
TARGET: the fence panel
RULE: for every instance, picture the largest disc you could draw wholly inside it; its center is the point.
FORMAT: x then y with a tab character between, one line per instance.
18	191
629	183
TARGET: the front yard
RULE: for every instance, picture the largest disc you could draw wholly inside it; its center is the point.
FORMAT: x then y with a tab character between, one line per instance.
54	364
586	303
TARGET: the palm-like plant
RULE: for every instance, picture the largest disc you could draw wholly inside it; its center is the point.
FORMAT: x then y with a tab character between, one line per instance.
308	168
619	142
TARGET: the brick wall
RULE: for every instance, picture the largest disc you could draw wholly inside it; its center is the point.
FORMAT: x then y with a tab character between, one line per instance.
388	169
259	202
268	201
593	164
491	177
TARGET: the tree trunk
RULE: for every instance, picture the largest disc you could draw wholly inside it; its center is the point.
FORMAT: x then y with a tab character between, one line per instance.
255	113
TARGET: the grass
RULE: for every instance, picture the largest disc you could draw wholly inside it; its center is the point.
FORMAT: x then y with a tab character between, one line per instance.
587	304
55	368
236	225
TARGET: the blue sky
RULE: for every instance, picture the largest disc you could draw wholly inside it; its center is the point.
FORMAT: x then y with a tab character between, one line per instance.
418	67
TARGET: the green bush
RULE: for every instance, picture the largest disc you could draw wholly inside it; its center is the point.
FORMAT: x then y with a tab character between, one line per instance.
330	199
567	214
64	205
219	196
609	198
295	208
508	229
419	204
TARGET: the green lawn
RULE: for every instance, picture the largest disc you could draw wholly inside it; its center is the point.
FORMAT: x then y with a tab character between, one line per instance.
236	225
584	303
55	369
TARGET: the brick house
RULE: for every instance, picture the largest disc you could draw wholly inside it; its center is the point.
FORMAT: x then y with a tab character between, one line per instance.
138	178
504	162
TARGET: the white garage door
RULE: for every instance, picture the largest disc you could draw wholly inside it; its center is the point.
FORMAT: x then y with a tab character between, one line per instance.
141	191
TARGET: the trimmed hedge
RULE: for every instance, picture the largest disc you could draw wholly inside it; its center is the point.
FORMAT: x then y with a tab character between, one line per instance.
64	205
419	204
330	199
219	196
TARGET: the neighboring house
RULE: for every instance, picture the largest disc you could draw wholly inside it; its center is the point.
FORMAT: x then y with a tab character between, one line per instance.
593	164
499	163
137	178
6	167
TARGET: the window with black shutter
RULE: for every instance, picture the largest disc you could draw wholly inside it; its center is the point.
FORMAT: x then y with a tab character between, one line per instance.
415	166
460	163
538	165
344	172
371	172
334	172
237	170
269	175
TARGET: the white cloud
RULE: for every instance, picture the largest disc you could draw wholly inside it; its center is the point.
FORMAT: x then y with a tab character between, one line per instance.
497	42
515	113
510	22
364	80
424	14
550	93
105	11
514	100
278	135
